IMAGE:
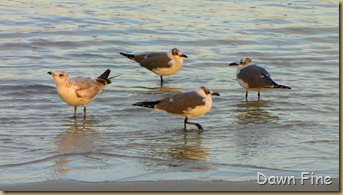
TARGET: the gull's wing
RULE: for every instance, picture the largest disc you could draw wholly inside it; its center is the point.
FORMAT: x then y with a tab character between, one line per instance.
152	61
179	103
86	87
256	77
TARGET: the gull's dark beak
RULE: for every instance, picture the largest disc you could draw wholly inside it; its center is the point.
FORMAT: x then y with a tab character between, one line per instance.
233	64
215	93
183	55
49	73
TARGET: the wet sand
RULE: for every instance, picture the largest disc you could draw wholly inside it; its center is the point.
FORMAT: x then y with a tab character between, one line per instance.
181	186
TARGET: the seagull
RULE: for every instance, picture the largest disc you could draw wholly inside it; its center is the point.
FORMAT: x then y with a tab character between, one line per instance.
160	63
189	104
79	90
253	77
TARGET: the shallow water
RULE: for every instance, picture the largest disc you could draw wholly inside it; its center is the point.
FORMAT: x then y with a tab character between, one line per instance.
284	133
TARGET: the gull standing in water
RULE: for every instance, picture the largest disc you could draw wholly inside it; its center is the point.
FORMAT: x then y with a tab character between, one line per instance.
189	104
79	90
160	63
254	78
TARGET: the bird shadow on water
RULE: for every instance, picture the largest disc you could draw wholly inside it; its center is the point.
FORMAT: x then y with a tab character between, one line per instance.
254	112
77	138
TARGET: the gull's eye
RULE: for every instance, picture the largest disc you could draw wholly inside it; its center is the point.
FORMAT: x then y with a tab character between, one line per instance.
61	75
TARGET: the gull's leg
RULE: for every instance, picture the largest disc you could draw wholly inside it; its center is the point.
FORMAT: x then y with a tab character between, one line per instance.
196	124
246	95
258	95
84	112
75	108
184	124
162	81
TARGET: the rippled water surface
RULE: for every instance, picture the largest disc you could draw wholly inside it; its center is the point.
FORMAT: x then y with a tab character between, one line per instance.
282	134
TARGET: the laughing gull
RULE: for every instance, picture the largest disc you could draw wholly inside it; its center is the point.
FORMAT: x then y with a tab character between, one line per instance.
189	104
79	90
161	63
253	77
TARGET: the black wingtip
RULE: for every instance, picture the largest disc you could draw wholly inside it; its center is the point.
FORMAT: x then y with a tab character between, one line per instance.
105	74
130	56
146	104
283	87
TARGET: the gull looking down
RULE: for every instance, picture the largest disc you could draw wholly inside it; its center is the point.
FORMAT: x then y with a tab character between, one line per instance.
188	104
160	63
80	90
253	77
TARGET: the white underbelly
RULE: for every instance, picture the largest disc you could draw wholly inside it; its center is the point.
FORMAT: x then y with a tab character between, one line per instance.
166	71
69	96
243	84
198	111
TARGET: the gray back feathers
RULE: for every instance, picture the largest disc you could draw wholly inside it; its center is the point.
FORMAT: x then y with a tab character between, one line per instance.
151	61
179	103
256	77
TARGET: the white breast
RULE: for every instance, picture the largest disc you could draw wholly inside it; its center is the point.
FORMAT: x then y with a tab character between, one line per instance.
176	64
69	96
167	71
243	84
199	110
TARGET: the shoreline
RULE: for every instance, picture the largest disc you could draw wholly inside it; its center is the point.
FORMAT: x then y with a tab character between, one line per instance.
173	186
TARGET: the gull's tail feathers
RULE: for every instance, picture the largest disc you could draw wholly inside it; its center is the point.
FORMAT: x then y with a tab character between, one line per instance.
150	104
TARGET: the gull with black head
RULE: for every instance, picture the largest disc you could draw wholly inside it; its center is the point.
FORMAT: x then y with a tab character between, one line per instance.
160	63
254	78
188	104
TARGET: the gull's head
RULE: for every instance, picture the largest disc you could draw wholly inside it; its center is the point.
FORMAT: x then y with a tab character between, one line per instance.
207	92
59	76
242	62
178	53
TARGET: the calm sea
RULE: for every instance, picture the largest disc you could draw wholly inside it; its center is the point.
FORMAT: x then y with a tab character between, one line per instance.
284	133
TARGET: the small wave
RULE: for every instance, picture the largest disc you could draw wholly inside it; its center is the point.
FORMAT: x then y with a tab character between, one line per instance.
88	55
320	141
42	159
15	46
20	89
177	162
58	43
253	167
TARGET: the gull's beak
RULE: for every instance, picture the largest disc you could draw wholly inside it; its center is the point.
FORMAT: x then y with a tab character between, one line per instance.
233	64
183	55
215	93
49	73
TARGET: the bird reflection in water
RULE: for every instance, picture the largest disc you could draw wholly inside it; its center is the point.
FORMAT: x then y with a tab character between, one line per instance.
78	138
249	142
254	112
190	149
158	89
185	149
